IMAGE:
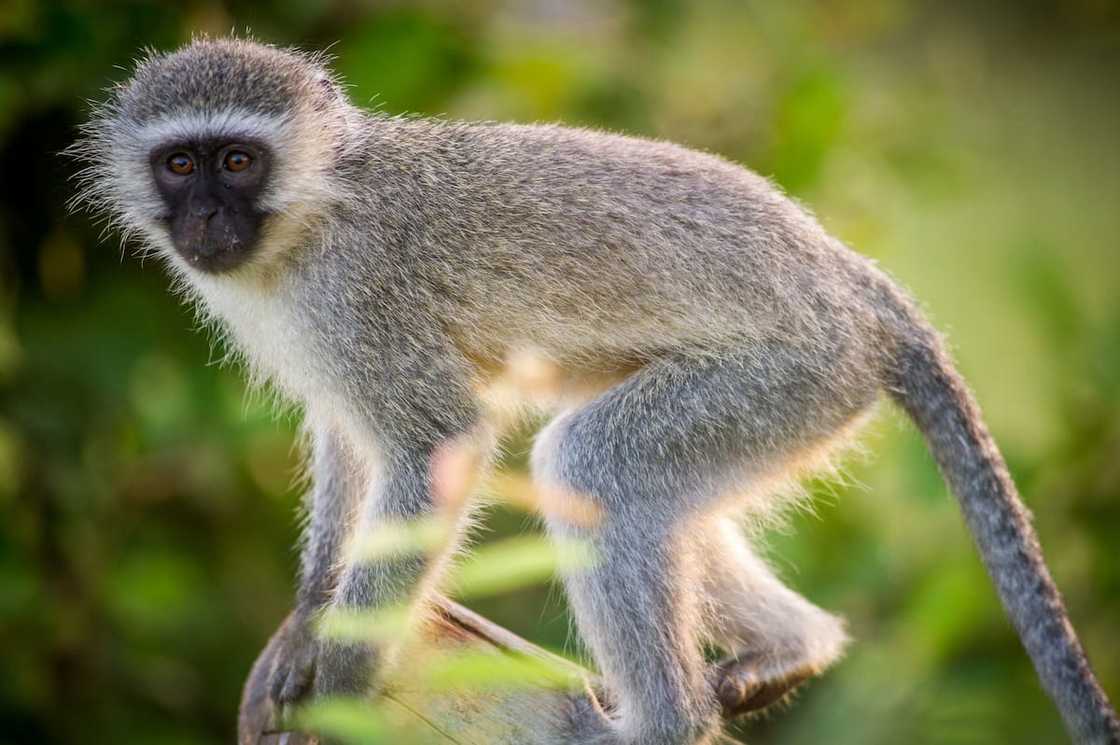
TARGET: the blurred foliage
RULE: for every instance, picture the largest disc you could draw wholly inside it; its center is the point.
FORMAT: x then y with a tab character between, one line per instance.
149	511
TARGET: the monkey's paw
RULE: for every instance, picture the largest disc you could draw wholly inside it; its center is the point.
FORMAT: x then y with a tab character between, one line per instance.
294	668
307	665
749	683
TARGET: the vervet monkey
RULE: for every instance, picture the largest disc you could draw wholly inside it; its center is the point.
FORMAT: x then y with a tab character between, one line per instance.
380	270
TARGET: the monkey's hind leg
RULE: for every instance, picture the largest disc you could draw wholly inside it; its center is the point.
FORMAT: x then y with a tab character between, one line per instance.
776	639
657	455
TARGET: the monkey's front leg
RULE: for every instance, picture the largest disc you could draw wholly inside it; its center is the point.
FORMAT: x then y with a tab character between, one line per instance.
337	480
400	497
408	399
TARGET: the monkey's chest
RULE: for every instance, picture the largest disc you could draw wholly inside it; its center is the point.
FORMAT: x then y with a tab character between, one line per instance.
275	341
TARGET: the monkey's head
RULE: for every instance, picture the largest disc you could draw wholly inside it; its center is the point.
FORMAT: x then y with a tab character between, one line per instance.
216	155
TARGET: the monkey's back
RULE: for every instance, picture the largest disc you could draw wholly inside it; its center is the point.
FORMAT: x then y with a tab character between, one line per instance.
584	243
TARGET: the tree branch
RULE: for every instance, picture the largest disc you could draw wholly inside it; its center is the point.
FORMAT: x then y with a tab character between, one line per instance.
532	713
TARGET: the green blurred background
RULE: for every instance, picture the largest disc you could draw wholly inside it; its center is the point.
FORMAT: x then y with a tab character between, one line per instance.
148	503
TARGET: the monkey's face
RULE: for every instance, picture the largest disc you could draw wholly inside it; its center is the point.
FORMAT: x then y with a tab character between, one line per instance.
211	189
218	156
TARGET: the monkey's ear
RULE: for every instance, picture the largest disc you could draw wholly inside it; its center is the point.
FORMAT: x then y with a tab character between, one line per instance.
328	89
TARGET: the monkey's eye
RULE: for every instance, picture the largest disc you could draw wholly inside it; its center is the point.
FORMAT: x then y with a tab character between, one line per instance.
180	163
238	160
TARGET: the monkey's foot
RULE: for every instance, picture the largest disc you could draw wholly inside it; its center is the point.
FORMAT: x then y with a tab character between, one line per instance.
750	683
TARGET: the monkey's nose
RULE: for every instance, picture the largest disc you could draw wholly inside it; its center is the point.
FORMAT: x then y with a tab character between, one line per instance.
202	204
204	210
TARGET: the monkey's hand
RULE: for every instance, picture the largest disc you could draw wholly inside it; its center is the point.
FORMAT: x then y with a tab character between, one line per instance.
308	664
294	669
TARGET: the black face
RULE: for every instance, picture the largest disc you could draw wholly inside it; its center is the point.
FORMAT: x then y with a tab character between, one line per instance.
212	191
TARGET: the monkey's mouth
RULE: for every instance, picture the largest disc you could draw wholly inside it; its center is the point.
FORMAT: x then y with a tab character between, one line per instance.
215	258
216	244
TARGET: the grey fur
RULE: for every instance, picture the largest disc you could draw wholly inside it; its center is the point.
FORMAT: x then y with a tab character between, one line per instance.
408	258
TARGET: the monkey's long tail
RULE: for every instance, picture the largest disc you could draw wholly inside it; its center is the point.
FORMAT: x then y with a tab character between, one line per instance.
921	377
